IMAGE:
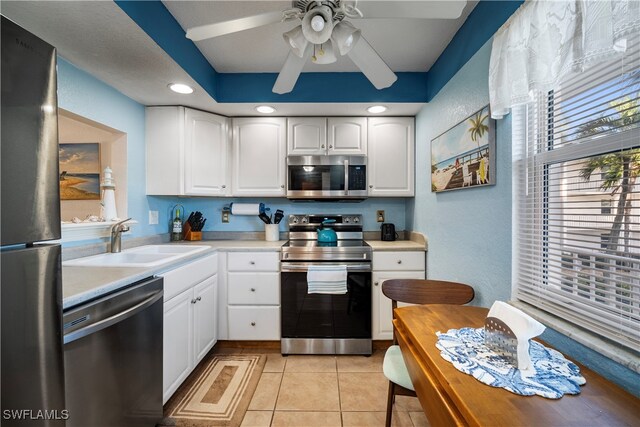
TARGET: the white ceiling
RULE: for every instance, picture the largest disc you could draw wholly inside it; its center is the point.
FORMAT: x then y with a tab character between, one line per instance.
98	37
404	44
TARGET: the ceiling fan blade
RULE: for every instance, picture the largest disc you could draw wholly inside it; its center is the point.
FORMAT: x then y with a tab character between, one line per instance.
412	9
233	26
371	65
291	71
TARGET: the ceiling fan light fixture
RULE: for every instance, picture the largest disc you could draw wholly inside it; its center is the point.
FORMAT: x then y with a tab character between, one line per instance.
377	109
345	35
180	88
265	109
324	54
317	24
296	40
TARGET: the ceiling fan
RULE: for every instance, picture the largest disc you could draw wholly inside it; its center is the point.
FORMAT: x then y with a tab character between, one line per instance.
323	31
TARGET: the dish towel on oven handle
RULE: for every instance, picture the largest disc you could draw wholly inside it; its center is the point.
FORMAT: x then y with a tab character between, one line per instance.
327	279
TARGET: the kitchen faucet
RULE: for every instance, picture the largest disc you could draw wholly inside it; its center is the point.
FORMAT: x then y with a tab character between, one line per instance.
116	235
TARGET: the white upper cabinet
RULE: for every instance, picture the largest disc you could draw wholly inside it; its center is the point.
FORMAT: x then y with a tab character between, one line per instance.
186	152
347	136
259	157
390	161
309	136
205	154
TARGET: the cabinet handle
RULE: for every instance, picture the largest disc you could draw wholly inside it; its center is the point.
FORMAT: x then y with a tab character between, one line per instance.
253	323
376	283
193	301
371	186
199	299
252	262
399	261
282	186
253	289
331	146
322	145
224	186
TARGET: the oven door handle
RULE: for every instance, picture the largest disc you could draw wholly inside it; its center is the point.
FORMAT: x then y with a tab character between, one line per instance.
301	267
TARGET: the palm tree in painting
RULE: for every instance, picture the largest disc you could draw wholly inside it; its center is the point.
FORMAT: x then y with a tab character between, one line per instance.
478	127
620	169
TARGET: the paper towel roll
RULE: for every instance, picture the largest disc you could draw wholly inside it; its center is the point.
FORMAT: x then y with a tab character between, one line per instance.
246	208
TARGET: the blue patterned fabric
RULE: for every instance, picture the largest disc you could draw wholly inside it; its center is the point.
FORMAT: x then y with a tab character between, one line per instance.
551	375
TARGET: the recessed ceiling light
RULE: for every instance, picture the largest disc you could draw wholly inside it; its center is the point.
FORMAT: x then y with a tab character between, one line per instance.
265	109
181	88
377	109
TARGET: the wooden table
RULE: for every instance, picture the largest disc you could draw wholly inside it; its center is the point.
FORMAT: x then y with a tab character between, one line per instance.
450	397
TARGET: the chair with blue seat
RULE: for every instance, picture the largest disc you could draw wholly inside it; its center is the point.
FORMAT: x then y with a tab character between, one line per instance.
414	291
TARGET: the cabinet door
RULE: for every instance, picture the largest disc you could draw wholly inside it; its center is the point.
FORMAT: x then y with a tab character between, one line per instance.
259	157
347	135
382	326
177	342
390	161
205	328
205	154
306	136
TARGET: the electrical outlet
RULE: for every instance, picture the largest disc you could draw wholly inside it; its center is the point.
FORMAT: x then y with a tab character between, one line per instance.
380	216
225	215
153	217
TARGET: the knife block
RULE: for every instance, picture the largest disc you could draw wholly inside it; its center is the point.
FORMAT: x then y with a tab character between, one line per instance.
190	234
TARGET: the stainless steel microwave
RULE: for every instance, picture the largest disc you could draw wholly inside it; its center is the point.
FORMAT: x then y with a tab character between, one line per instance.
326	177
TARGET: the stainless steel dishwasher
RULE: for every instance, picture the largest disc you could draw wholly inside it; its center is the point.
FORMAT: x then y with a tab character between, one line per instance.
113	358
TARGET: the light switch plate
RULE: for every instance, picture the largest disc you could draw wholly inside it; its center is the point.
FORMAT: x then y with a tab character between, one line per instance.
153	217
380	216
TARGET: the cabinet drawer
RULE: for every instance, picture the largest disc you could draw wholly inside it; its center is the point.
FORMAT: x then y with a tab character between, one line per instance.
396	261
254	323
253	261
253	288
181	278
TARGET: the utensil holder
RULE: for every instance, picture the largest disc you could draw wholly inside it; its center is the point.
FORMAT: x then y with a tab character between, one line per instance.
189	234
271	232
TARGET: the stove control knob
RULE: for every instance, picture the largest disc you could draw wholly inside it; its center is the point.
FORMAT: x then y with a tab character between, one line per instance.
305	220
356	220
295	220
347	219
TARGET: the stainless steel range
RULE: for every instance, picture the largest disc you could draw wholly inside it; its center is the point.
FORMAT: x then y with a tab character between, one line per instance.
325	323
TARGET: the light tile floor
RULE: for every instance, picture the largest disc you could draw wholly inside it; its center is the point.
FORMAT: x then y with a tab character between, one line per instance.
348	391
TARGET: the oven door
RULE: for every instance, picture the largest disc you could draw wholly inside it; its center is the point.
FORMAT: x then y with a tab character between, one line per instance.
323	316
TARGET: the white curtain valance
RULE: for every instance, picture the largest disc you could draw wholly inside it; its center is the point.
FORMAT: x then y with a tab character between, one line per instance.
546	40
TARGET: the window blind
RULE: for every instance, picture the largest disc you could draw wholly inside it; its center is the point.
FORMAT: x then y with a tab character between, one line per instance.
577	199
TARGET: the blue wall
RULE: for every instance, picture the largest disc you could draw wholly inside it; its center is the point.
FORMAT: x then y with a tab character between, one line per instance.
83	94
469	230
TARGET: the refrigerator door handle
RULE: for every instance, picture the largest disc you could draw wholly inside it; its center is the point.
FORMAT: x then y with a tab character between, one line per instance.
118	317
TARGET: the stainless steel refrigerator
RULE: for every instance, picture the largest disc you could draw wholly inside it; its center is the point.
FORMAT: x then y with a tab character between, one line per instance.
32	374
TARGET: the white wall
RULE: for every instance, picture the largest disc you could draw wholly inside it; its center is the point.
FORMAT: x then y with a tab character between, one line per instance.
469	230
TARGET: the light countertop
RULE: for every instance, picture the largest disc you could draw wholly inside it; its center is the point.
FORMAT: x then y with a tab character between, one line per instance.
81	284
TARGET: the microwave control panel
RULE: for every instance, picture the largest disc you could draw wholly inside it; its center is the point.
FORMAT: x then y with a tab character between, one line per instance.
357	177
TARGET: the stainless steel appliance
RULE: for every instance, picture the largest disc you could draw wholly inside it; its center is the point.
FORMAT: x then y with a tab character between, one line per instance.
326	177
32	361
321	323
113	358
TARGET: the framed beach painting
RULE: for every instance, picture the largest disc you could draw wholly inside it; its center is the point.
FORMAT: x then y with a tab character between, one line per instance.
465	155
80	171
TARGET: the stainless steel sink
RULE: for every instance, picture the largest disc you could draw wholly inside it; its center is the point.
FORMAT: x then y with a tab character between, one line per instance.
142	256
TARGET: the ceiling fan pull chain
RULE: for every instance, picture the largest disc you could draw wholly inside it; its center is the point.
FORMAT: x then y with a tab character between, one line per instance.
314	58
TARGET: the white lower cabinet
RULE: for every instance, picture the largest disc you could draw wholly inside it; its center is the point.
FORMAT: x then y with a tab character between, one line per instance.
253	296
391	265
190	320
